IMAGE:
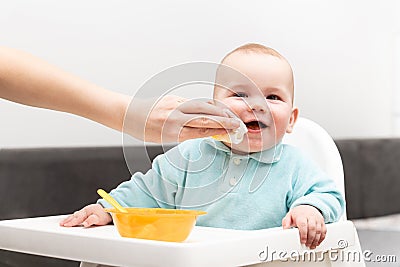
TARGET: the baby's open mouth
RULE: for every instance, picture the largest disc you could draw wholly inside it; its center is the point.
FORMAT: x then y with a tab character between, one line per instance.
255	125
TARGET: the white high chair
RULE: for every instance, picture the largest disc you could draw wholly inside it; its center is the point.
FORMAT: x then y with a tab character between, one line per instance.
314	141
205	246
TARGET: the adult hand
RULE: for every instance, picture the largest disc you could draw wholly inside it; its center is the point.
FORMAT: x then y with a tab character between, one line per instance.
175	119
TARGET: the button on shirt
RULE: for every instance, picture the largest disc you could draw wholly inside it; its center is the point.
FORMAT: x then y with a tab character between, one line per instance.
233	181
253	191
237	161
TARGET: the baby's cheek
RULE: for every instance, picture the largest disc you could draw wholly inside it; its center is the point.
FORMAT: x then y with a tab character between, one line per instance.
281	122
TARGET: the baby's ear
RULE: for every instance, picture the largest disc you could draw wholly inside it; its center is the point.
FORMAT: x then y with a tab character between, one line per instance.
292	119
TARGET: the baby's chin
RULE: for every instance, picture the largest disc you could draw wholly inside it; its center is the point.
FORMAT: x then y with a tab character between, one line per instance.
244	148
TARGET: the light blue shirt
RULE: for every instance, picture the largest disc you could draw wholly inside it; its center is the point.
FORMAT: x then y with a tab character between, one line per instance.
252	191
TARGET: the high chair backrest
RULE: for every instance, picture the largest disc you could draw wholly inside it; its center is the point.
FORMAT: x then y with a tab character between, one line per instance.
314	141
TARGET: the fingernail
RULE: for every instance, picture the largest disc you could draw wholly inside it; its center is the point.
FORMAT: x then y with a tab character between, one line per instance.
85	224
235	123
226	113
230	113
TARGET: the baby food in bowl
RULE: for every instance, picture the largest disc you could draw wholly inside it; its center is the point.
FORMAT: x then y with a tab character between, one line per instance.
155	223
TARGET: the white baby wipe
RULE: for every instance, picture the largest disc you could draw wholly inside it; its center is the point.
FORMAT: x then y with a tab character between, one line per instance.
235	136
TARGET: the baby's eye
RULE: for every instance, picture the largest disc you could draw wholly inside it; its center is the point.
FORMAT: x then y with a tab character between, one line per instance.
273	97
239	95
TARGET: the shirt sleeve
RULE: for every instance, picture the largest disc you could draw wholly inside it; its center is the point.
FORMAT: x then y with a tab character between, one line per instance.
313	187
154	189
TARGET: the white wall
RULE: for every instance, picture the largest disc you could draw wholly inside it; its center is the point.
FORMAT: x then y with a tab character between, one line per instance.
341	51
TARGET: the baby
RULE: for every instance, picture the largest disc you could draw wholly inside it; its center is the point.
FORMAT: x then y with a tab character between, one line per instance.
254	184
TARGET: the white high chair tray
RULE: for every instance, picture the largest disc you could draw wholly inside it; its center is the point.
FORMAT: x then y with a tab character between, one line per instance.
204	247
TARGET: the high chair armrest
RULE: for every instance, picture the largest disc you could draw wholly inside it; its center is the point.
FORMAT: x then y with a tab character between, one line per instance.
285	244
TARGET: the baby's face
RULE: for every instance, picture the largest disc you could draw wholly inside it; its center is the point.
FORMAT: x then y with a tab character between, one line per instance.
261	94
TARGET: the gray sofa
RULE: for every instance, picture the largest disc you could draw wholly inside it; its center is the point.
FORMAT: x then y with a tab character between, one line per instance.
52	181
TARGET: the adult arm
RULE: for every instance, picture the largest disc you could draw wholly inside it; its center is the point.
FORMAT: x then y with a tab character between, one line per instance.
28	80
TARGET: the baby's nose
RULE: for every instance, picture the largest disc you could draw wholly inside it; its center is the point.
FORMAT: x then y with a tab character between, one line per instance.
259	105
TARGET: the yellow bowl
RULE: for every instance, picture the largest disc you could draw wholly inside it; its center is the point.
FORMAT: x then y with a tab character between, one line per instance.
155	223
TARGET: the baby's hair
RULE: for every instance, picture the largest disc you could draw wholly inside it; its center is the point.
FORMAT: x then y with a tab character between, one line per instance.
257	48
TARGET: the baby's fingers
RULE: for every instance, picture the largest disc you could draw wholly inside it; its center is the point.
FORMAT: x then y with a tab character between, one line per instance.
302	224
67	219
317	236
91	220
311	232
323	234
75	219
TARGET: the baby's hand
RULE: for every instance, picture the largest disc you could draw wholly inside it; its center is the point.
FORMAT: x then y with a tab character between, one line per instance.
92	214
310	223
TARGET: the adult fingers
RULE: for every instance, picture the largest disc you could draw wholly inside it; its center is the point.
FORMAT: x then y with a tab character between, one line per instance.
201	121
201	107
217	117
179	127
